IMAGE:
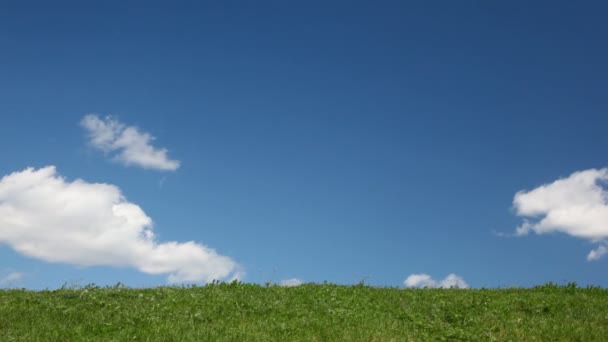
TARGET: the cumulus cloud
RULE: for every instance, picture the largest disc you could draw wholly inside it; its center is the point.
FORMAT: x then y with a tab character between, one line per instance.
425	280
291	282
576	205
420	280
46	217
11	277
132	146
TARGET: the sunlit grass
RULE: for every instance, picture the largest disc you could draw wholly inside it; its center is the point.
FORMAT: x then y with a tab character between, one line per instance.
311	312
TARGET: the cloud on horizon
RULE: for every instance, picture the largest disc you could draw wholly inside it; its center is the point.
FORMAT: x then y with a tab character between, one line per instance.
11	277
576	205
133	146
291	282
92	224
424	280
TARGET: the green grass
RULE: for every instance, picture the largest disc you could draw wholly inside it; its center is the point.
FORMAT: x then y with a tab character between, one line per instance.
312	312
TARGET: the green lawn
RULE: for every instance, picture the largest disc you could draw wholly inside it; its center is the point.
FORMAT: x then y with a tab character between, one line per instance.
312	312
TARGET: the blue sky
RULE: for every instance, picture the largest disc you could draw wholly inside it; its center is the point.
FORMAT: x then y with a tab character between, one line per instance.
322	141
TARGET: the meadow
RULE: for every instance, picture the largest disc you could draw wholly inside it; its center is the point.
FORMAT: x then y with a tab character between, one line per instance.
311	312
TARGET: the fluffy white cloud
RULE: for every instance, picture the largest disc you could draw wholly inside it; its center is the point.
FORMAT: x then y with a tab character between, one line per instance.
11	277
132	146
425	280
576	205
419	280
291	282
45	217
453	280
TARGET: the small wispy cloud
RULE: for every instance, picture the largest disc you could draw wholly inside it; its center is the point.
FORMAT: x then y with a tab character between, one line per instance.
161	182
576	205
43	216
11	278
132	146
291	282
425	280
597	253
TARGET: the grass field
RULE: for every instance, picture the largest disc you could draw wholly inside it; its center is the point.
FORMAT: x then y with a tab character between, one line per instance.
311	312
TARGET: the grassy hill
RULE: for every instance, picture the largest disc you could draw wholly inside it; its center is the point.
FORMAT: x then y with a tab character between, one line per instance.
311	312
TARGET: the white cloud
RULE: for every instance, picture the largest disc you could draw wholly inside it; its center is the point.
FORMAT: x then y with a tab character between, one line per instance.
453	280
11	277
419	280
132	145
425	280
291	282
597	253
576	205
46	217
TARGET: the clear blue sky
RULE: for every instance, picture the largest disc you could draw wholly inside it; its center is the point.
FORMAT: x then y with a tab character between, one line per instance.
324	141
